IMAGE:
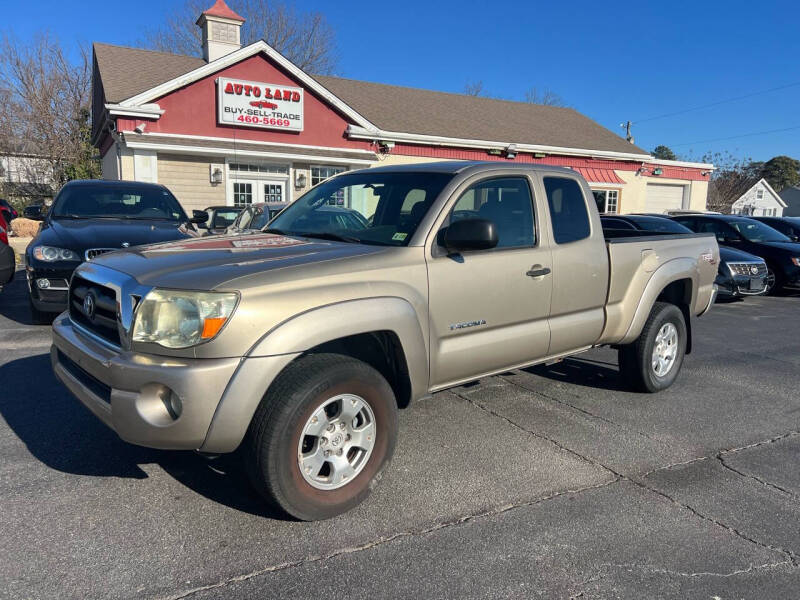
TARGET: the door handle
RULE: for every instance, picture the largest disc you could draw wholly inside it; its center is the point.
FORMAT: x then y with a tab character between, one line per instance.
538	271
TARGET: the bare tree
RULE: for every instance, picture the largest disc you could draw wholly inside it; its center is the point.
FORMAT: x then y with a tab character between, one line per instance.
307	39
475	88
44	111
544	96
732	178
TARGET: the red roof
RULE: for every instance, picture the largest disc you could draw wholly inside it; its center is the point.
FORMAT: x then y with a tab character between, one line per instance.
599	175
220	9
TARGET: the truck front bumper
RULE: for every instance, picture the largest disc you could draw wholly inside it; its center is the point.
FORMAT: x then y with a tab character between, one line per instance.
160	401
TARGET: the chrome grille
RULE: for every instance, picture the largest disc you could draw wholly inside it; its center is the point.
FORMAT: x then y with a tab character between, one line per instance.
746	269
98	314
95	252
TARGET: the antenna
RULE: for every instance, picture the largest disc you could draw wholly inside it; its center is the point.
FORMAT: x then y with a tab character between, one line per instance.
628	135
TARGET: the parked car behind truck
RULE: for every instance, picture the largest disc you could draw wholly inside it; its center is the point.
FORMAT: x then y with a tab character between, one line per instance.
739	273
89	218
299	345
781	255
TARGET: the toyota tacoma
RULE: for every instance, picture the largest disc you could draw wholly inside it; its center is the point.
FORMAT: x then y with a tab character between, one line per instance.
296	345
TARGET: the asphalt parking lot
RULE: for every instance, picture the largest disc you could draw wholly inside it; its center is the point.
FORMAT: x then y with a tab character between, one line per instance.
549	482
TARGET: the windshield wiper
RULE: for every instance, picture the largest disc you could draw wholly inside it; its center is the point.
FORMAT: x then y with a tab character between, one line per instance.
325	235
275	231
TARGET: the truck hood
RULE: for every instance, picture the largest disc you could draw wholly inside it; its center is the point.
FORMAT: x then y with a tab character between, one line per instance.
210	262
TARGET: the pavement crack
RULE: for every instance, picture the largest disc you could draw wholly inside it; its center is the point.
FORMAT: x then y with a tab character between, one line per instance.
559	445
721	458
791	556
386	539
664	571
578	409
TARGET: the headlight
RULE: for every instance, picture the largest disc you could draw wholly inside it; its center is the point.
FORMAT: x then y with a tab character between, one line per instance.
796	261
51	254
176	319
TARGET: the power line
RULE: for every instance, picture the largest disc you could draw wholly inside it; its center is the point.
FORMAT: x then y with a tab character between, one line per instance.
734	137
702	106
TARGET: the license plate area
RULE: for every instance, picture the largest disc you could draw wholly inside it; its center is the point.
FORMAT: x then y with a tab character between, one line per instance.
757	284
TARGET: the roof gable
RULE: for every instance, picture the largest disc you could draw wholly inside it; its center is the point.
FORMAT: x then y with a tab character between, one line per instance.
134	77
764	185
126	72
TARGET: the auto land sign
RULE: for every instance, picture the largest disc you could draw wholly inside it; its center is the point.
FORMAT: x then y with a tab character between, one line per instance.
256	104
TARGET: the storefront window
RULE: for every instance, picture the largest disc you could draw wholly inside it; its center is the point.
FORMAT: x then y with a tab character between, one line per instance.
242	194
258	168
607	201
320	174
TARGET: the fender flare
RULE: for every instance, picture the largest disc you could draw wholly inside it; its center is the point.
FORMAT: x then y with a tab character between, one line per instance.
669	272
265	361
326	323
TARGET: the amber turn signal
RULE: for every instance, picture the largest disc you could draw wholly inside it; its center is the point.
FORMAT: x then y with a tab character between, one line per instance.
211	327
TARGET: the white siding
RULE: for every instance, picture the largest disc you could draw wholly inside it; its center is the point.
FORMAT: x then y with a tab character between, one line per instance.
749	203
188	178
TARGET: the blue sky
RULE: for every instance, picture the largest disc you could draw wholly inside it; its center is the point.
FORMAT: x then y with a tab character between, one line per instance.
613	61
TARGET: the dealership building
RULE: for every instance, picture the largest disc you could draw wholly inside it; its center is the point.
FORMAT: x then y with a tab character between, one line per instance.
244	124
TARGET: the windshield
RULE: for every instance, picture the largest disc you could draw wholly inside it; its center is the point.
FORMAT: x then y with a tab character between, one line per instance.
123	201
755	231
365	207
661	225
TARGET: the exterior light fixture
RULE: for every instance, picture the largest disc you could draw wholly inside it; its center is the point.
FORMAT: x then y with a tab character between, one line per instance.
511	151
657	171
300	179
215	173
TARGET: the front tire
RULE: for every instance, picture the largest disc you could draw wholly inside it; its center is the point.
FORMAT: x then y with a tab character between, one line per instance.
652	362
321	437
774	281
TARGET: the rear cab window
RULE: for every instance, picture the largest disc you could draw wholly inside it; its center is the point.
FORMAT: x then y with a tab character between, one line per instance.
568	212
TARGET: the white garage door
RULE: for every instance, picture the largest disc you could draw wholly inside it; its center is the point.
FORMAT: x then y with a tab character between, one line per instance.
661	198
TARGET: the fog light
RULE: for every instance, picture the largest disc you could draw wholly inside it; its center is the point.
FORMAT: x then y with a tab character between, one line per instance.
174	405
43	283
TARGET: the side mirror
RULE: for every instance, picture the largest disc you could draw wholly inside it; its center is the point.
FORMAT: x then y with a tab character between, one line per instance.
469	234
198	216
34	212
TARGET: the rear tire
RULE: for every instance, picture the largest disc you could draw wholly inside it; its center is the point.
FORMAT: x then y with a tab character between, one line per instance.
311	390
652	362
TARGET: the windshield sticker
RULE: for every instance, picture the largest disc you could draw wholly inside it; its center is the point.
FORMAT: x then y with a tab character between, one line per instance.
399	237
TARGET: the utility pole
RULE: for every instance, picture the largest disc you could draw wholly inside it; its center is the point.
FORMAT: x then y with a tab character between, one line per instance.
627	126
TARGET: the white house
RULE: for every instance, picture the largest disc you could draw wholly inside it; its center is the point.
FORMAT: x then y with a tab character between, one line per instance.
759	201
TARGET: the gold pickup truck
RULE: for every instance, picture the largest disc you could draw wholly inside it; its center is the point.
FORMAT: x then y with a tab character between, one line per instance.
299	343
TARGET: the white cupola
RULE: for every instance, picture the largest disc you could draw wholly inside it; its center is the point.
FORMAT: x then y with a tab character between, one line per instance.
221	31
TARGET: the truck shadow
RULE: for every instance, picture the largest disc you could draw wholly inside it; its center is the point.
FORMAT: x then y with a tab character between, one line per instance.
583	372
63	435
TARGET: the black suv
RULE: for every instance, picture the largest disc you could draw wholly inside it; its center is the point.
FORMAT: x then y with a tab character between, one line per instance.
781	254
92	217
788	226
739	273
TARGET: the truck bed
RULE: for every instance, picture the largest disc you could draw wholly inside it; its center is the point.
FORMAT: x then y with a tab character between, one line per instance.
635	258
